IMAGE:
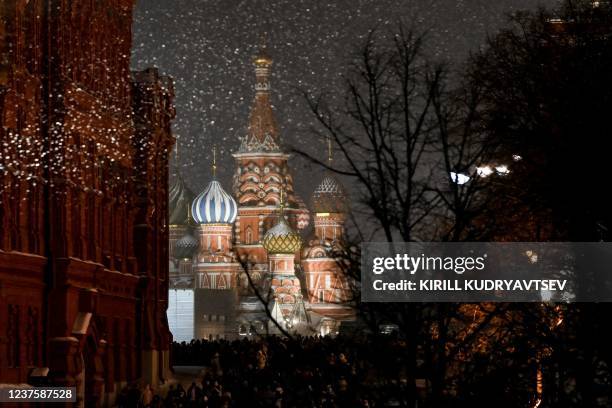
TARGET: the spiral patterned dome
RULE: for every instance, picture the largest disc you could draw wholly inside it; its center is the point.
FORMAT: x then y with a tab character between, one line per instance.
186	246
329	196
282	239
214	206
180	198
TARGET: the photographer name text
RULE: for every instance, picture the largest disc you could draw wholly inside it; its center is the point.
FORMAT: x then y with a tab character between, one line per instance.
496	285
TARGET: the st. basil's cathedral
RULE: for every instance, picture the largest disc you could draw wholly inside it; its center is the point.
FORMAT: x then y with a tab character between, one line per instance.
239	263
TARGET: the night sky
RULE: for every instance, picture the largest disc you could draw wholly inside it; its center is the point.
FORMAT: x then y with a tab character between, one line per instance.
207	45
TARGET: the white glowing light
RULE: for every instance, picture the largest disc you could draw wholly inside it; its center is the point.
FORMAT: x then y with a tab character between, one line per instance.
517	157
502	169
532	256
484	171
459	178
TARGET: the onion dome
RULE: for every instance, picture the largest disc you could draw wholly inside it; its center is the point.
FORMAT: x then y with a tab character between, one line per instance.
179	201
329	196
214	206
186	247
281	238
262	59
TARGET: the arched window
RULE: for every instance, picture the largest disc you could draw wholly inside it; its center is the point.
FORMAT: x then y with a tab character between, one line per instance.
249	235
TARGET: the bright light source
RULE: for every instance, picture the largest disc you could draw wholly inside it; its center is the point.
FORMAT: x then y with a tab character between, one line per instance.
484	171
502	169
459	178
532	256
517	157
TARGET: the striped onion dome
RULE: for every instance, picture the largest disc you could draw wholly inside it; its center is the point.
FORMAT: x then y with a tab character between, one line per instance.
329	196
214	206
186	246
281	238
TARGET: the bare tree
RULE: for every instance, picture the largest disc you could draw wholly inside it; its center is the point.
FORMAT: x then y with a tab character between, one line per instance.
424	169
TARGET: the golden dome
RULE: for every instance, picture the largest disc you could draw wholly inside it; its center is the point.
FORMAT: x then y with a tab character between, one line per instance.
262	58
282	239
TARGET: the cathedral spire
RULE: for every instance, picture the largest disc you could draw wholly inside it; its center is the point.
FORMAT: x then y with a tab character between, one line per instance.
262	133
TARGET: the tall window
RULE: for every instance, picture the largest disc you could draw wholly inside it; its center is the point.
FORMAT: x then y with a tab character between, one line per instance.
249	235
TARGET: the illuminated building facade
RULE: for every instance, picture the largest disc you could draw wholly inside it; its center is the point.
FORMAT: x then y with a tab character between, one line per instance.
83	193
252	247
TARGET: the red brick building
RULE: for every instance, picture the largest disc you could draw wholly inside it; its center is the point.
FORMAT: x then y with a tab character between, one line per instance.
83	199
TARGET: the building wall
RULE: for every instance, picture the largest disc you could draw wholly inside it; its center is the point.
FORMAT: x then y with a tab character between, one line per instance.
22	273
180	314
83	258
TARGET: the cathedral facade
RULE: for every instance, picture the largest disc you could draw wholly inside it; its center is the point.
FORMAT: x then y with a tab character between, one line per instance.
245	264
83	201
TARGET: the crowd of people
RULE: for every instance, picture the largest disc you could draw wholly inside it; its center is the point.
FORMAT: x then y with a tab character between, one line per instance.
285	372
